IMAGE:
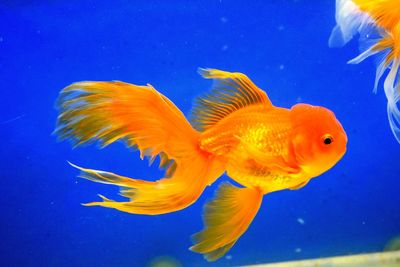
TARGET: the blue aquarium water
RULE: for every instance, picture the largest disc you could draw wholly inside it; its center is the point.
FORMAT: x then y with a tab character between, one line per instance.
280	45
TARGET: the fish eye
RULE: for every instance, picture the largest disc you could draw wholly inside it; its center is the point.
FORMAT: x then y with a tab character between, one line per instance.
327	139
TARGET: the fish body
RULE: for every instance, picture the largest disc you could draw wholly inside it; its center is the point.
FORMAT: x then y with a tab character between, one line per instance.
377	22
253	131
258	145
235	129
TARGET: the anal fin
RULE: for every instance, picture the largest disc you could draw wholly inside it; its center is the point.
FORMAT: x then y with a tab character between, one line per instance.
226	218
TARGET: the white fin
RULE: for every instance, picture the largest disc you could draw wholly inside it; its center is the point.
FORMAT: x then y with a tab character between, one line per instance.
367	53
392	91
350	21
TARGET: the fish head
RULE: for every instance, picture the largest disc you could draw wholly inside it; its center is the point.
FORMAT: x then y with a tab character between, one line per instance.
318	140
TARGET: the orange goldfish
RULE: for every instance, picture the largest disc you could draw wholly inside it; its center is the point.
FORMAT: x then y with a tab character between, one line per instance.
378	24
235	129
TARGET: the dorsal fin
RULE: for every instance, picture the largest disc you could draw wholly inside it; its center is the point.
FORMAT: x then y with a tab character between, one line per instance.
231	91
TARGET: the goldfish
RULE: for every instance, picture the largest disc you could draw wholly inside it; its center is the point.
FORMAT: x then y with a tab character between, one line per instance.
378	24
234	129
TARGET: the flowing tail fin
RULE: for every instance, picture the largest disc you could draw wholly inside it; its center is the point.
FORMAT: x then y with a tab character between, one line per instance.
145	119
378	24
159	197
226	218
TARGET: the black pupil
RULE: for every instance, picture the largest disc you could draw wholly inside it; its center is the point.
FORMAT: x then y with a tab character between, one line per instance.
327	140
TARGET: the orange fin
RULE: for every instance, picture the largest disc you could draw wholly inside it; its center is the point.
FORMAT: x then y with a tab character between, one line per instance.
385	13
226	218
143	118
231	91
110	111
163	196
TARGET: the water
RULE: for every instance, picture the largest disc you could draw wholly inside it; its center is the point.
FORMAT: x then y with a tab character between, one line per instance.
280	45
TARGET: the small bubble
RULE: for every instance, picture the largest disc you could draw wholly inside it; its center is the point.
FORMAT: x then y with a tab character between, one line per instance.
228	257
281	67
297	250
1	39
281	27
224	47
224	19
301	221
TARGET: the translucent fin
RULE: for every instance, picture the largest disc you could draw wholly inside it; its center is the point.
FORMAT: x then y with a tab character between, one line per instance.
350	21
392	91
337	38
380	69
367	53
111	111
226	218
231	91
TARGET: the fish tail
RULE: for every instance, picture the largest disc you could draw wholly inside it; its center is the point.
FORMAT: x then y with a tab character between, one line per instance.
143	118
156	197
107	112
226	218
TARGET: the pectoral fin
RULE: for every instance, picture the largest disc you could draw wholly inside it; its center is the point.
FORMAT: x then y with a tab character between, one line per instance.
265	159
226	218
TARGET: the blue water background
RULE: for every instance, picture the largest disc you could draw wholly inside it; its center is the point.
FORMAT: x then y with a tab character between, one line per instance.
281	45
